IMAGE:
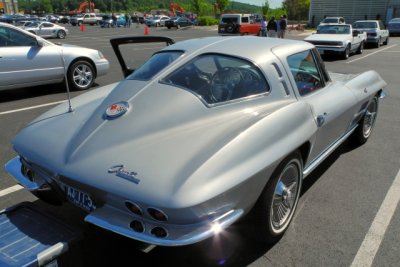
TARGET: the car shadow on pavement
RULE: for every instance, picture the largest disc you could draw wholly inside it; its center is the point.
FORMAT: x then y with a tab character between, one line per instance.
313	177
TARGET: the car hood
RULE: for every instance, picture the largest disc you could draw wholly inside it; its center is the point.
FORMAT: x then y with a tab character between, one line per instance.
327	37
167	137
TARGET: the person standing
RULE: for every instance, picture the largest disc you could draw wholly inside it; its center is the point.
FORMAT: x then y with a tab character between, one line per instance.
282	26
263	30
271	27
114	19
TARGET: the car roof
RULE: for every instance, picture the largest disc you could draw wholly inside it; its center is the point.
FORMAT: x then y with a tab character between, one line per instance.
260	47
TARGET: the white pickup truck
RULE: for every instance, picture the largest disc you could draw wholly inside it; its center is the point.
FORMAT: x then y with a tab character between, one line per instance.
339	39
377	33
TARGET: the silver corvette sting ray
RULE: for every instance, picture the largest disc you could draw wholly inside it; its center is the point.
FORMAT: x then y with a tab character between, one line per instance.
207	131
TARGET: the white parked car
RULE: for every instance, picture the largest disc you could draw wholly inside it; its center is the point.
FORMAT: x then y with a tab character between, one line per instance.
332	20
28	60
377	33
338	39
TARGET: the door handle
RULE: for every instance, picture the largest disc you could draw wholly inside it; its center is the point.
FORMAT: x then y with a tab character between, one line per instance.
321	119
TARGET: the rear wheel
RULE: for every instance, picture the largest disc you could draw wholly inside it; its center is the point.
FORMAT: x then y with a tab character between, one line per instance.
61	34
386	41
378	44
81	75
275	208
360	48
366	125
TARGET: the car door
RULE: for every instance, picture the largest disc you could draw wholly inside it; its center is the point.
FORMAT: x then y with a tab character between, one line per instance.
23	62
46	29
332	104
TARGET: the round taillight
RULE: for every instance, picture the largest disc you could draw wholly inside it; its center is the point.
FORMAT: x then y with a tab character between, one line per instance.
157	214
137	226
134	208
159	232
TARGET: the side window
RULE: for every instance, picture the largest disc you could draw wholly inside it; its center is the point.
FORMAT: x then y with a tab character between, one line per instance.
245	19
10	37
305	72
218	78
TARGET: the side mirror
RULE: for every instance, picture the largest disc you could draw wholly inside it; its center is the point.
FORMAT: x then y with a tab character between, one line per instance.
39	42
355	33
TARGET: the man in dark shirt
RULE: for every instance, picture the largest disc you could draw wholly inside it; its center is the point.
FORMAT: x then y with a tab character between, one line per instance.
272	27
282	26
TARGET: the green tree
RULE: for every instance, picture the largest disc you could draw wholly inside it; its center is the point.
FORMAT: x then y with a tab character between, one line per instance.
297	9
222	4
265	8
199	7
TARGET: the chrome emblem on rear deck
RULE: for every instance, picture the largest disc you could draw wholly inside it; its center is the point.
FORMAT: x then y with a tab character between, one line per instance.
123	173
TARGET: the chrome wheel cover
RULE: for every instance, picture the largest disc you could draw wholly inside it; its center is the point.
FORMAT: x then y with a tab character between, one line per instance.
286	195
369	118
82	75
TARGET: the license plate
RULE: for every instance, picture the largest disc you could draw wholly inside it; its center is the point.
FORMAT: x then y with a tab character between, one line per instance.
79	198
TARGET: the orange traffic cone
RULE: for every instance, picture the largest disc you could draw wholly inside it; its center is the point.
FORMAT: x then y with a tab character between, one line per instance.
82	27
146	30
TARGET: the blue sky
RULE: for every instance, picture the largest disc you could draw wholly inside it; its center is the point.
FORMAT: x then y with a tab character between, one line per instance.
272	3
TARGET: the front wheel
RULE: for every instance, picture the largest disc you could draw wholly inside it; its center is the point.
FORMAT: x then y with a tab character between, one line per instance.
366	125
346	53
81	75
275	208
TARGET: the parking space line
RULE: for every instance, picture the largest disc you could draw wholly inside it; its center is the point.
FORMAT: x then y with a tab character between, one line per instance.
369	247
351	61
32	107
10	190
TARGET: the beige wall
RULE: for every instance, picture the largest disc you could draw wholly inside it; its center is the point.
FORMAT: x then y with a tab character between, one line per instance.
352	10
10	6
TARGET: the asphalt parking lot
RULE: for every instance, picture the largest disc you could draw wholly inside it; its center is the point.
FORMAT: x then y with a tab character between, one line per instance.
348	214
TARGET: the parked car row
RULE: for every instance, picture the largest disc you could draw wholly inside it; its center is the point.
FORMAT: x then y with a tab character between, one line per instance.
344	39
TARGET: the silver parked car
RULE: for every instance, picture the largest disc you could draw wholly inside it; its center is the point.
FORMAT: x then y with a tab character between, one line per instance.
202	134
46	29
394	26
28	60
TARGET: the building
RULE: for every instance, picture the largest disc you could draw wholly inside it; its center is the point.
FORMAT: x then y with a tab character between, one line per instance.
353	10
8	6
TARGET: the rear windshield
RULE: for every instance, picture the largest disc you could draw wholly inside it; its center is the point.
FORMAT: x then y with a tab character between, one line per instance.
154	65
364	24
230	20
330	21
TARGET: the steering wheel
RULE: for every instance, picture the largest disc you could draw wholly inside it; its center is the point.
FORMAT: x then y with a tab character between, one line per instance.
223	83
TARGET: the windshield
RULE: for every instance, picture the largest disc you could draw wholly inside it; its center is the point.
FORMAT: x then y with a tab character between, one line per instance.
154	65
364	24
396	20
33	24
333	29
332	20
